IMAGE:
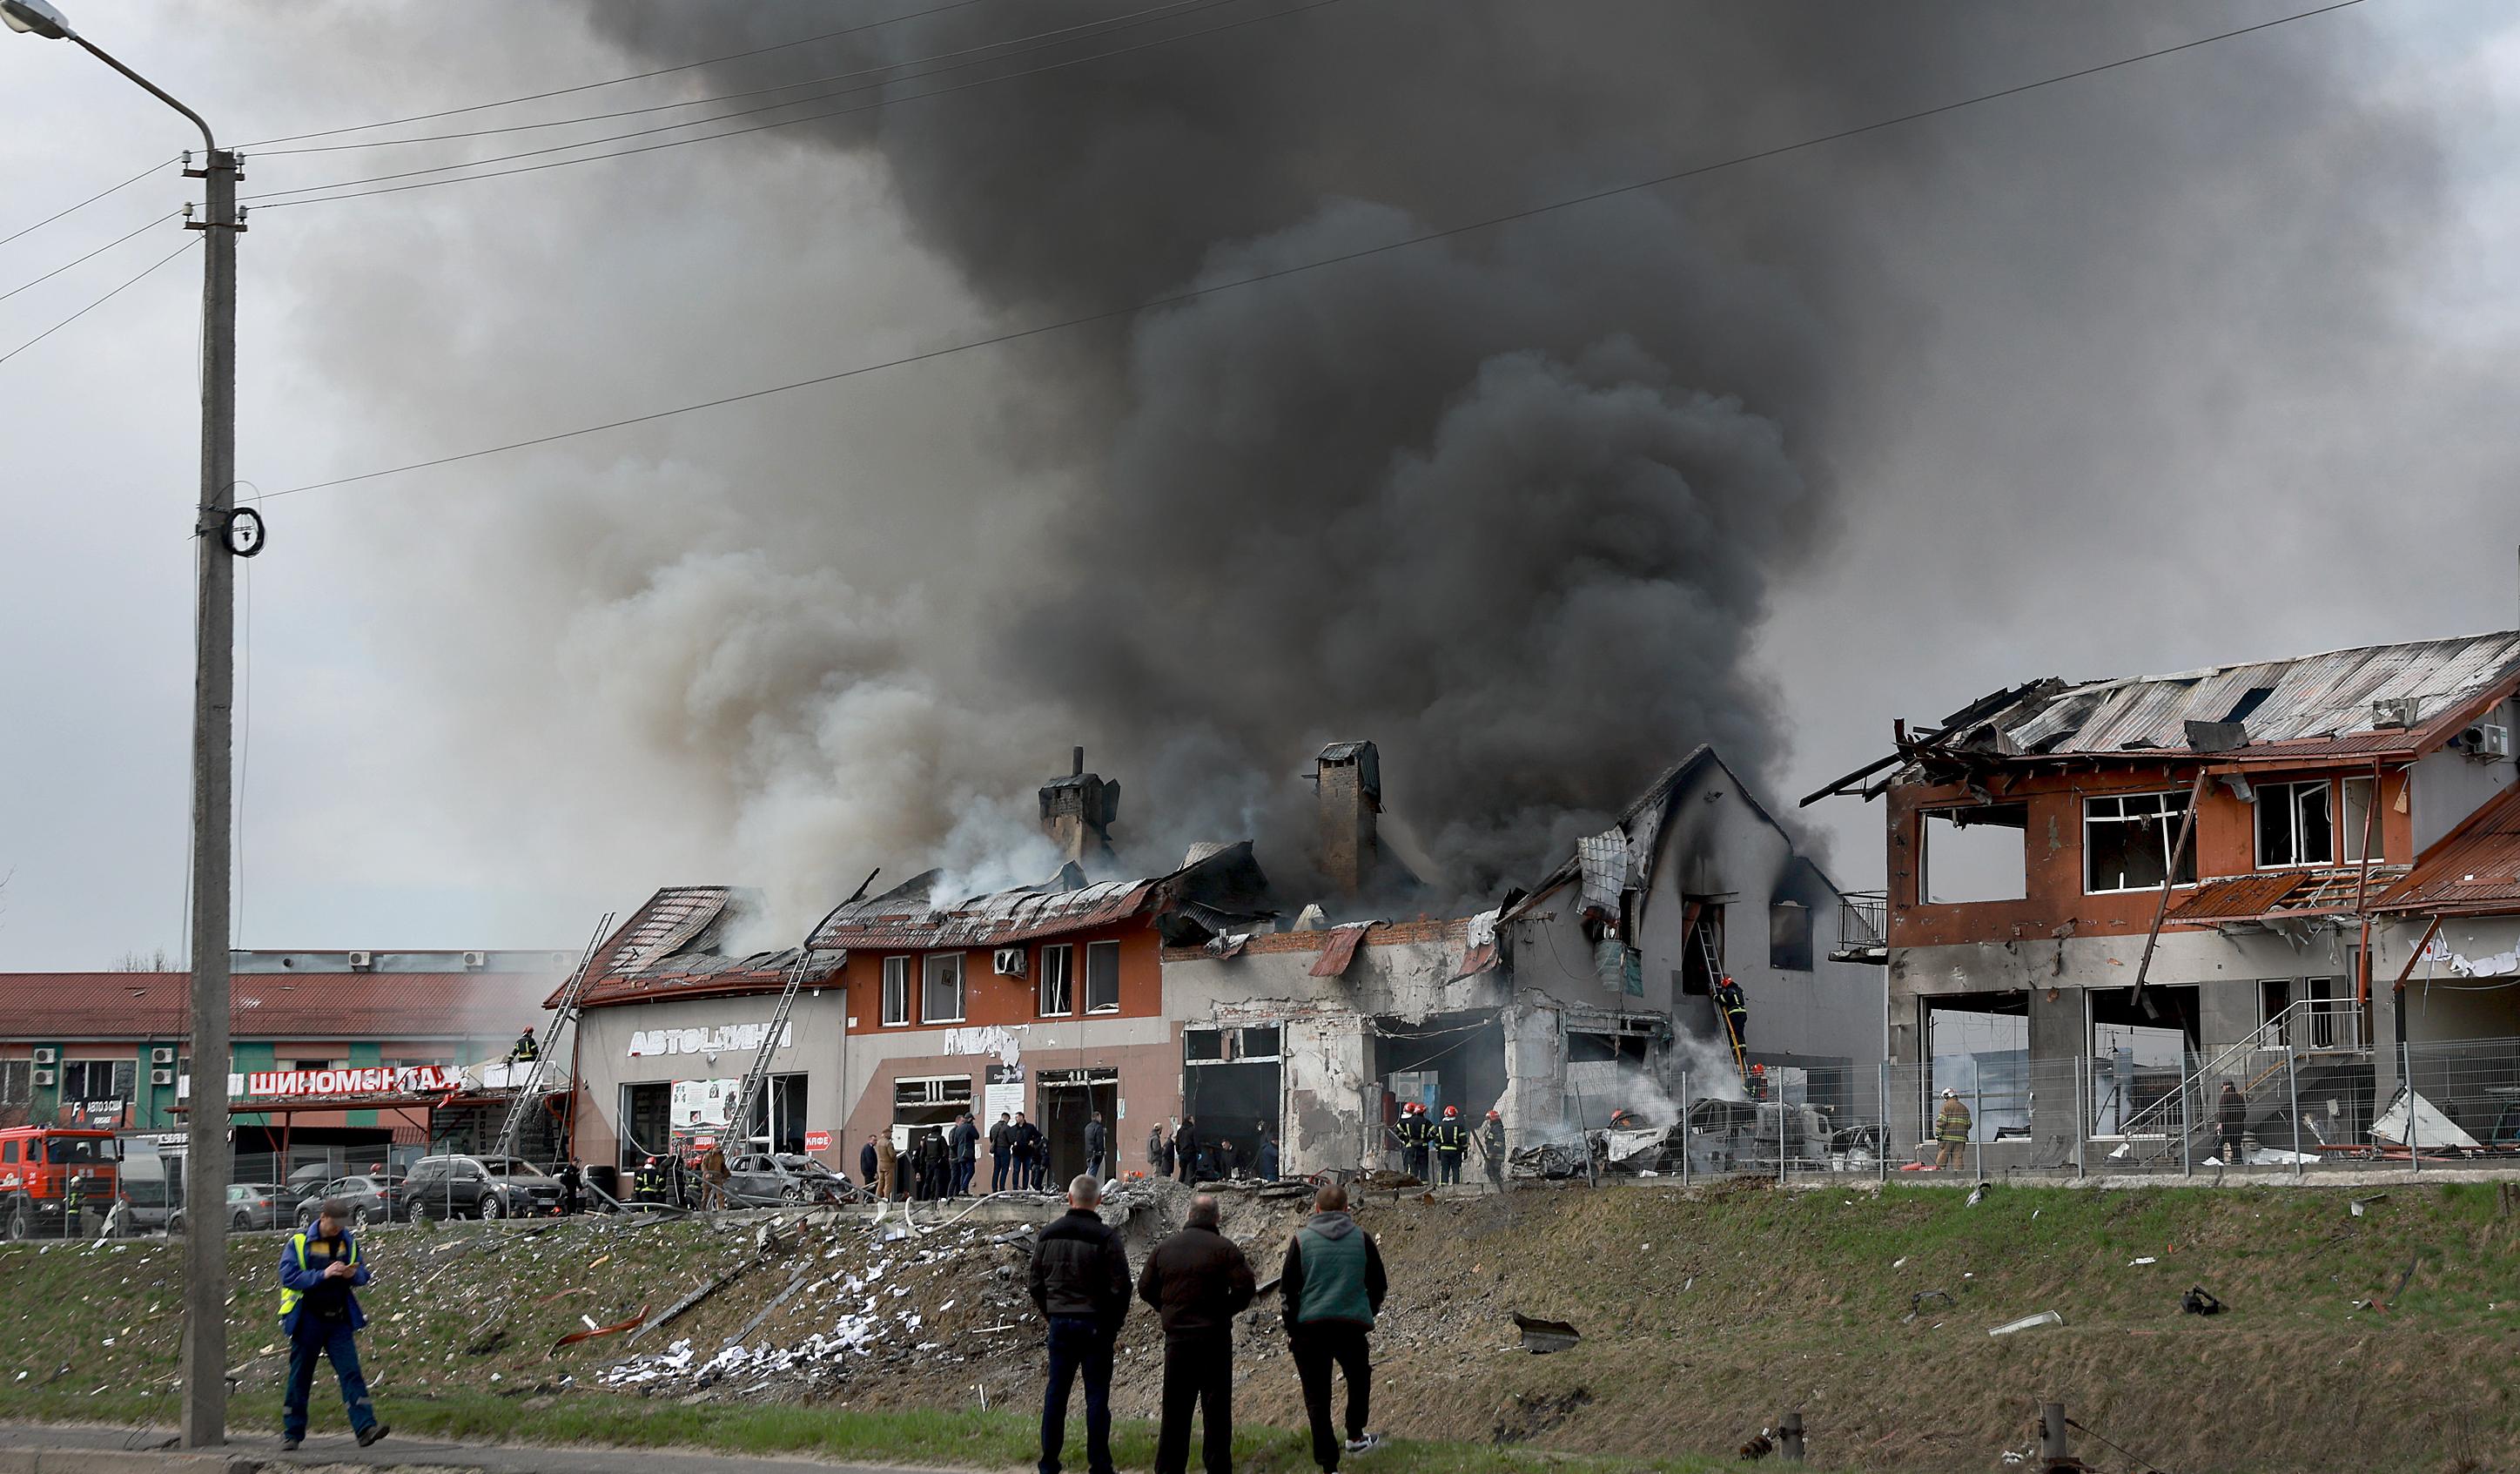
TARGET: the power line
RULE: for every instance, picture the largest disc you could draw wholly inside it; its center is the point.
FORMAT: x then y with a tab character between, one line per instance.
188	245
1194	293
90	200
1007	76
98	252
1107	23
636	76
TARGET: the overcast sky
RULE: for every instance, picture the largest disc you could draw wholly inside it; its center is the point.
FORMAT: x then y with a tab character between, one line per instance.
2195	361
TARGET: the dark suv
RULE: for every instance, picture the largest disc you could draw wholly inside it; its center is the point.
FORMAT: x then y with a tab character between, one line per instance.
479	1188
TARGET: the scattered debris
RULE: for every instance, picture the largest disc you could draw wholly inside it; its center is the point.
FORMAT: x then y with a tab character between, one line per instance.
683	1305
593	1330
1916	1302
1759	1447
2028	1322
1541	1337
2354	1206
2144	1260
2200	1301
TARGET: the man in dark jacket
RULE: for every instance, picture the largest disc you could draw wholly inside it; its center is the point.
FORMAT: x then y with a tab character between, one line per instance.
966	1154
1199	1280
1080	1284
319	1268
1186	1149
997	1136
1019	1139
2230	1120
1098	1143
1330	1290
868	1164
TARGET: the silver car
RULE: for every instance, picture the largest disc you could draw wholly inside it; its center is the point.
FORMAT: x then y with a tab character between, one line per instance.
260	1205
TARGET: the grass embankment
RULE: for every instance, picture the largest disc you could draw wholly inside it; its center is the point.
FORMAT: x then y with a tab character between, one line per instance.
1703	1316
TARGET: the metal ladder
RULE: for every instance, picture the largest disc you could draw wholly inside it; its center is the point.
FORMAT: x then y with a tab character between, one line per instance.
1714	987
564	1016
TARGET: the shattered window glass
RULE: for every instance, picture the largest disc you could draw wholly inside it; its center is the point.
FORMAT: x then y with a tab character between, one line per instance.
1103	977
1057	981
2294	827
2127	840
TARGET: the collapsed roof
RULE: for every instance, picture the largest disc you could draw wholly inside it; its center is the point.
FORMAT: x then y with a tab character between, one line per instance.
2373	703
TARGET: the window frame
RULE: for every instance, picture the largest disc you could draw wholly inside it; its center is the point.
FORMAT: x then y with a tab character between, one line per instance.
1781	957
2173	805
894	987
1095	949
927	979
23	1072
2289	795
2348	835
114	1068
1065	952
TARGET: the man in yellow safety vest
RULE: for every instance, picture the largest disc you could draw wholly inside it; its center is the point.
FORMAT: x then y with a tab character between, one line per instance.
319	1268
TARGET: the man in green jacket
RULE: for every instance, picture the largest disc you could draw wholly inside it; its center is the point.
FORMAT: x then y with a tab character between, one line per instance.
1330	1290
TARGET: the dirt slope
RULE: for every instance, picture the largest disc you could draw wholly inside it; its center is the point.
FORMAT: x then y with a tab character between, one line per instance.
1703	1314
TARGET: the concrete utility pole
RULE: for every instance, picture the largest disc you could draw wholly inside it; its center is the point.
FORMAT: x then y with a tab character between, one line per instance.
220	535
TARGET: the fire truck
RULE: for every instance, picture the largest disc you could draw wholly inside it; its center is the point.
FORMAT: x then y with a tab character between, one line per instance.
36	1165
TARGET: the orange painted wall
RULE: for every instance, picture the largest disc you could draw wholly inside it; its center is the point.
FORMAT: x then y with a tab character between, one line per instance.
988	999
2226	843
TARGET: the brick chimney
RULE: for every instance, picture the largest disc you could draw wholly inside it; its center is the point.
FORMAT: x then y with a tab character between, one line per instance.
1349	775
1076	812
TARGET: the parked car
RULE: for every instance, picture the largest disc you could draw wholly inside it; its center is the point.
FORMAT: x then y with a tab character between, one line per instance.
766	1182
480	1187
370	1199
147	1207
261	1205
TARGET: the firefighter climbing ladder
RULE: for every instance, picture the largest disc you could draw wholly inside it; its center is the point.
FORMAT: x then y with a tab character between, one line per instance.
564	1016
1714	996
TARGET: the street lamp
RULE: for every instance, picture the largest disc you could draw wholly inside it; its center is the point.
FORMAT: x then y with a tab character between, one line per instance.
218	538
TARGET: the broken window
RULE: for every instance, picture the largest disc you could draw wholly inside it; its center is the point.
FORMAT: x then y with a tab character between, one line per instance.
1789	937
940	988
896	991
1701	959
2358	815
1200	1045
101	1078
1980	852
2127	840
1103	977
1058	982
1258	1043
2296	824
1979	1045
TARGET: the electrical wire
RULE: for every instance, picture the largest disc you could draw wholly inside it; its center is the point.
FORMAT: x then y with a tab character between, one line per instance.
98	252
84	204
100	301
1194	294
315	197
1112	23
615	82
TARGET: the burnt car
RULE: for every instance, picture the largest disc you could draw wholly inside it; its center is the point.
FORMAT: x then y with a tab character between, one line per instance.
782	1180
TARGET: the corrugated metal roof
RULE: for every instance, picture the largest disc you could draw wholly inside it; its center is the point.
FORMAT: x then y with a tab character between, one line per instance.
997	920
2324	699
2476	870
2238	896
313	1007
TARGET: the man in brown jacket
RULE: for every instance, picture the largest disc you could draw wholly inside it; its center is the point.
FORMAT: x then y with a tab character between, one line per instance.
1197	1279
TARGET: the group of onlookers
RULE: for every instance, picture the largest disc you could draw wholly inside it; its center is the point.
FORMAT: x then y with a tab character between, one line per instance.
1330	1286
1197	1156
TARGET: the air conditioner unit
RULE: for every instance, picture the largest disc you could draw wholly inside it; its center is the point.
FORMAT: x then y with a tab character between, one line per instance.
161	1077
44	1077
2394	711
162	1056
362	961
1007	961
46	1056
2483	739
474	962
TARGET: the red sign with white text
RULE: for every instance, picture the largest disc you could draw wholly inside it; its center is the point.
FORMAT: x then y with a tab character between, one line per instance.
818	1142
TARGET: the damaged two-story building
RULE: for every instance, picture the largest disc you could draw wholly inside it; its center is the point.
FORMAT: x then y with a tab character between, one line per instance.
2273	851
1160	998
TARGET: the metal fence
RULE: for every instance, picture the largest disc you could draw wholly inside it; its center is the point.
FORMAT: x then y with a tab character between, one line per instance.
2288	1102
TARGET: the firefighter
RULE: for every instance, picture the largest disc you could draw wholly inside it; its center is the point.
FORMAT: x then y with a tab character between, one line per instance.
1755	1083
1492	1147
524	1050
1737	1012
1416	1132
1625	1119
1950	1131
1451	1139
73	1204
650	1182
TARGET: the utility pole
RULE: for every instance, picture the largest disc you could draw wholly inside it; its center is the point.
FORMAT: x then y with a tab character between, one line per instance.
206	1128
220	535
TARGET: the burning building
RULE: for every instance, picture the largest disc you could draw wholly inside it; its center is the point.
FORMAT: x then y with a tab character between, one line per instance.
1154	999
